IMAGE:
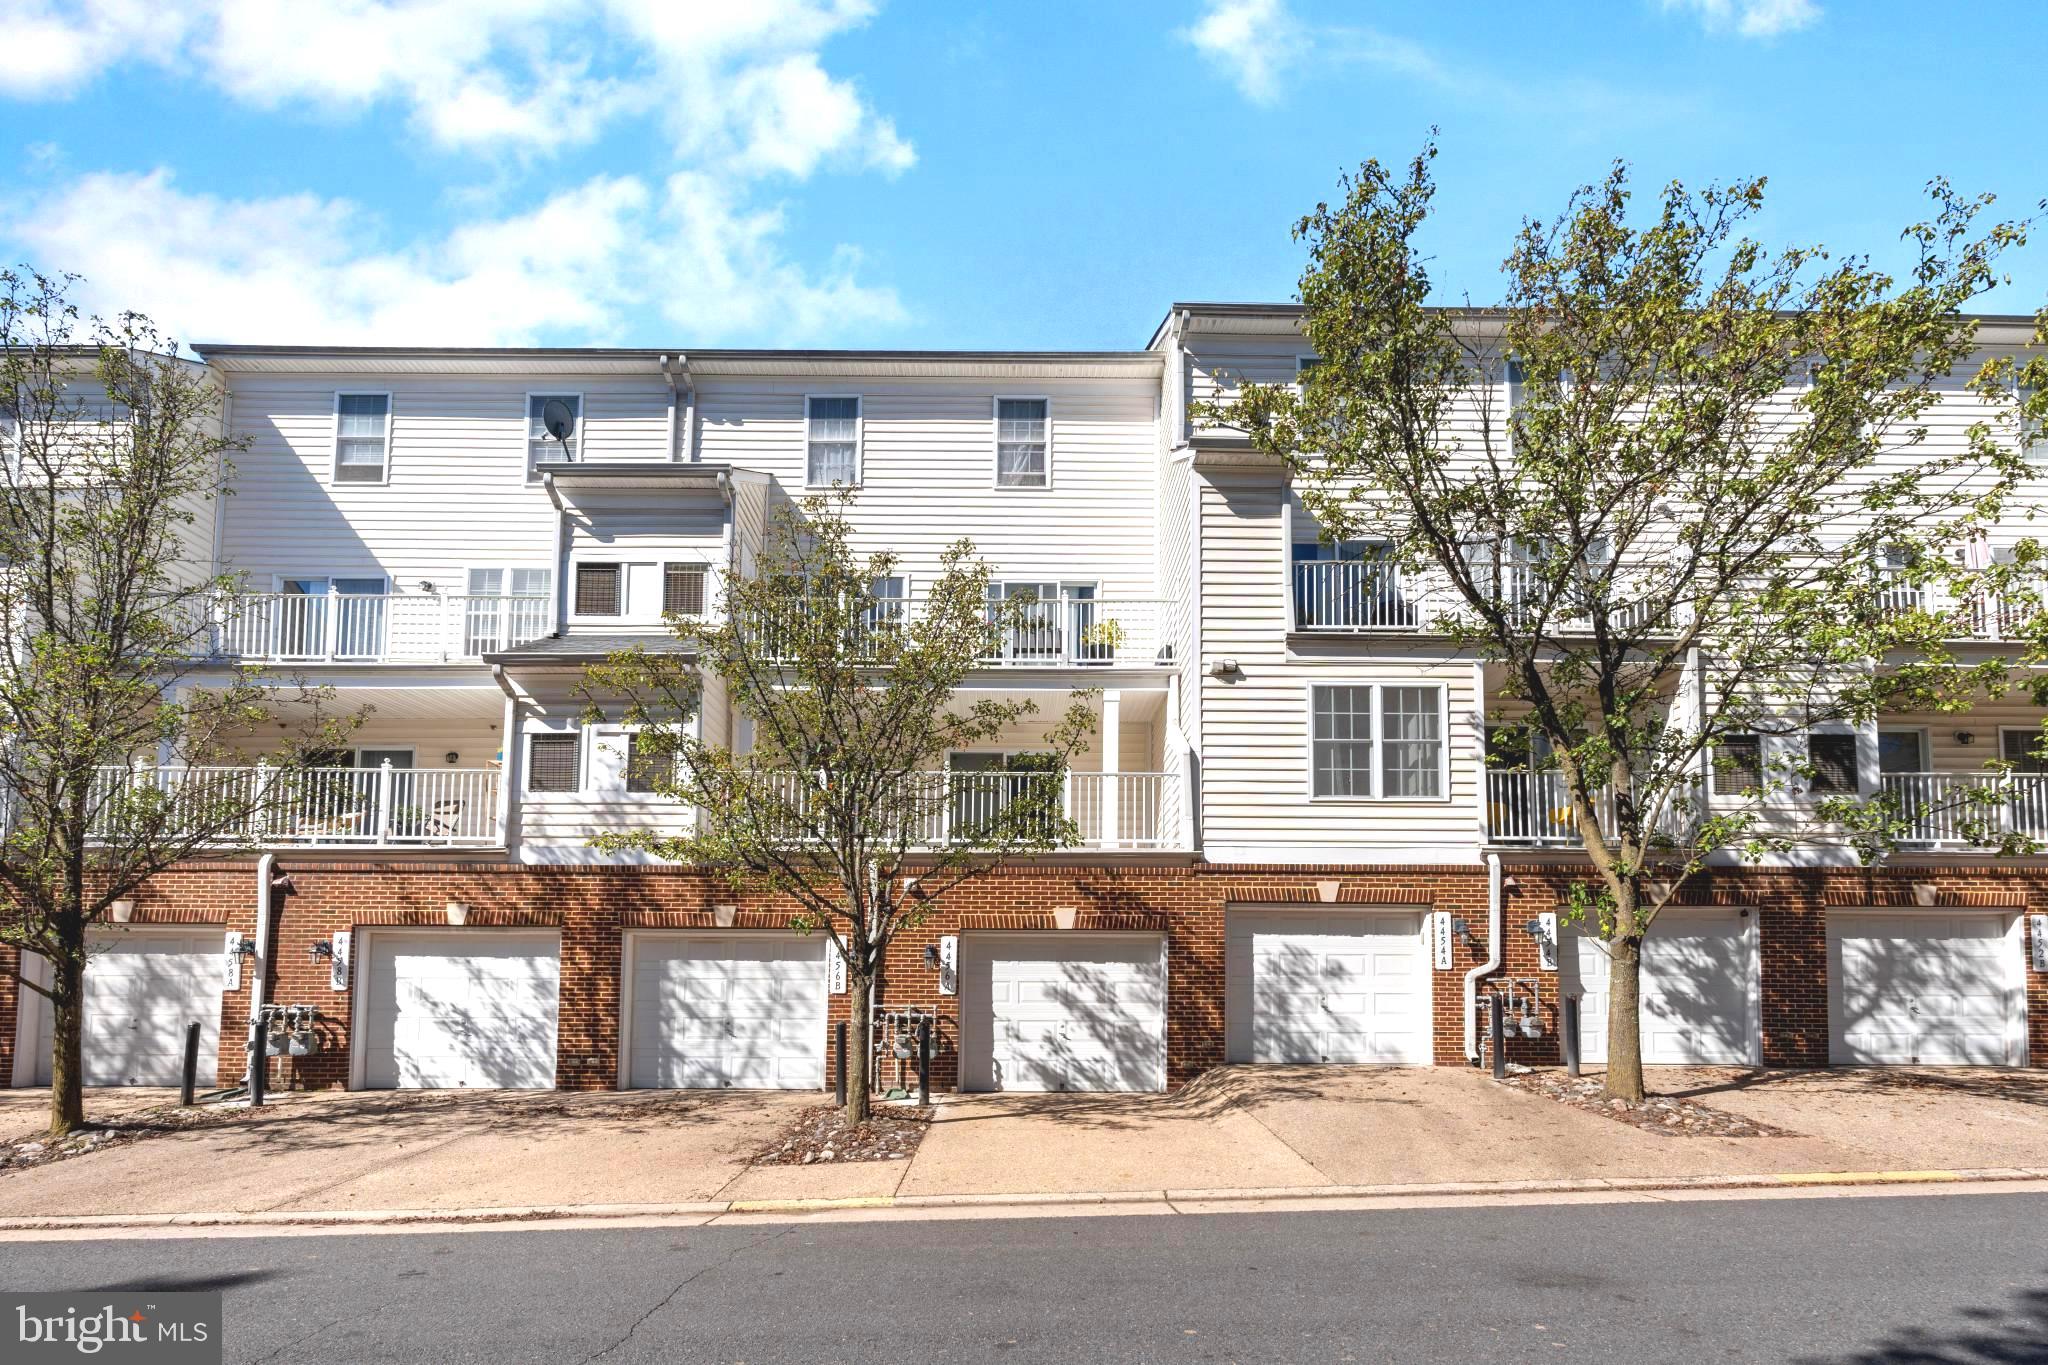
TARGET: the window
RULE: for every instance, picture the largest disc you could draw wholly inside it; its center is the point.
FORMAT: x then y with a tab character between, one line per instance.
833	455
552	763
642	766
2017	747
1367	741
1022	455
1901	751
1833	760
1738	765
1411	744
682	590
2033	431
494	618
542	446
1518	386
597	590
362	437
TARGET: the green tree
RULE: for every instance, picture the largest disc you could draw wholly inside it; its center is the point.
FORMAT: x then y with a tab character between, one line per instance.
113	457
1668	488
842	802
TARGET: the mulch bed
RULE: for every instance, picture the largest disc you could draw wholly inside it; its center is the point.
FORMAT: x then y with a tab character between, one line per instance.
23	1153
821	1134
1665	1114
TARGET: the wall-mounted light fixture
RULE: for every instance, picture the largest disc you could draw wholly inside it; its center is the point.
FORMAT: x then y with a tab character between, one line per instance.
245	946
323	950
426	586
1966	737
451	756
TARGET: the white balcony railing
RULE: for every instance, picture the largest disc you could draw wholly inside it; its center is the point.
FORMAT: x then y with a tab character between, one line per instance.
275	627
1353	595
1051	632
1985	616
1109	810
1959	810
1533	809
384	806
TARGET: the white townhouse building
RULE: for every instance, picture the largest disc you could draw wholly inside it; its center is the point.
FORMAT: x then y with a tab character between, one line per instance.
449	536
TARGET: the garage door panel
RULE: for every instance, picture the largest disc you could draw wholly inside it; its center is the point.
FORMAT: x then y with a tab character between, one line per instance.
142	989
1927	989
1697	1004
1314	986
456	1010
1060	1012
734	1011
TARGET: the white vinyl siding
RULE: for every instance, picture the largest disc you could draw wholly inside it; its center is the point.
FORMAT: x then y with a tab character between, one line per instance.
1374	741
833	441
362	437
1023	443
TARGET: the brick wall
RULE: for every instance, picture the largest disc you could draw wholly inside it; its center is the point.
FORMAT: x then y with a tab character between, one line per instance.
592	906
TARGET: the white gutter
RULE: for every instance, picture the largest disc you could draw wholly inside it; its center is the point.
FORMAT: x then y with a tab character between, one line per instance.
560	573
1495	914
261	966
682	422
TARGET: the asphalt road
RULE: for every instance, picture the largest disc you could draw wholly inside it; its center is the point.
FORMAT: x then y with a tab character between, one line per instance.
1959	1278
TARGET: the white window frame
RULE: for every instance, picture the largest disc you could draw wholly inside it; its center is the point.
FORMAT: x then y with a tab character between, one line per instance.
575	732
860	426
1926	746
577	563
334	479
1379	687
2033	436
1865	761
2004	730
535	468
995	442
1301	367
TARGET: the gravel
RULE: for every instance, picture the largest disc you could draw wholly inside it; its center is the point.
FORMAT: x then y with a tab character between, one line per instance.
821	1134
1665	1114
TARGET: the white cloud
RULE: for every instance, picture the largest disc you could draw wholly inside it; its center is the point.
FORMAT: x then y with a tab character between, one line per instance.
576	269
1751	18
1253	42
738	83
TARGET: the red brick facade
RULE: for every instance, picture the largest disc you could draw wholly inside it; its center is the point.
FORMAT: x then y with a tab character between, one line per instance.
592	907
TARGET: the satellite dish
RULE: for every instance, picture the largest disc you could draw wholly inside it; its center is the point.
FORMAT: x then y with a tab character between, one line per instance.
559	419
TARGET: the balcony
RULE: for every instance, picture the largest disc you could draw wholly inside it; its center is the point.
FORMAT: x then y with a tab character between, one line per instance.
1112	812
372	807
374	628
1986	617
1061	632
1532	810
1966	810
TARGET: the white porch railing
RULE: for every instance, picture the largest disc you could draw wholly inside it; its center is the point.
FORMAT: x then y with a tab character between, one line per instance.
1956	810
1110	810
1987	616
383	806
1053	632
275	627
1533	809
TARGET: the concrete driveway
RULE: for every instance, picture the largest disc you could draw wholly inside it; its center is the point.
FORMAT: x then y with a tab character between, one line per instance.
423	1150
1244	1127
1237	1128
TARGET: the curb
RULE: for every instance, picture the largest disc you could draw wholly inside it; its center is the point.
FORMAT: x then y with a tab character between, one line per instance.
709	1210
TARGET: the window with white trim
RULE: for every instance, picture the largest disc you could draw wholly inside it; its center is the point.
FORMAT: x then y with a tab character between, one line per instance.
1738	765
362	437
1832	757
1023	447
682	589
832	453
553	762
1375	741
542	446
599	590
2033	431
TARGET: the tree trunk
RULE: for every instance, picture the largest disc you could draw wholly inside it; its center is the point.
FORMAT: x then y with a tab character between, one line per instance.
1625	1001
860	1046
67	1035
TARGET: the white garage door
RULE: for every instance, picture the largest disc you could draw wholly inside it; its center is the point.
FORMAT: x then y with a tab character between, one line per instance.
1699	1002
142	987
1932	989
739	1010
460	1009
1056	1011
1322	987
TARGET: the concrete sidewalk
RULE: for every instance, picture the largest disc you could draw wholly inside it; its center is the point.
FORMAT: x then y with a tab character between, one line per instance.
1269	1130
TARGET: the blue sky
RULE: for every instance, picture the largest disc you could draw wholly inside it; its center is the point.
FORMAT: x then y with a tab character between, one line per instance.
924	174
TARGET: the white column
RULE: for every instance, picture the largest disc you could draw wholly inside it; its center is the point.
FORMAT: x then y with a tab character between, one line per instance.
1112	753
509	773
